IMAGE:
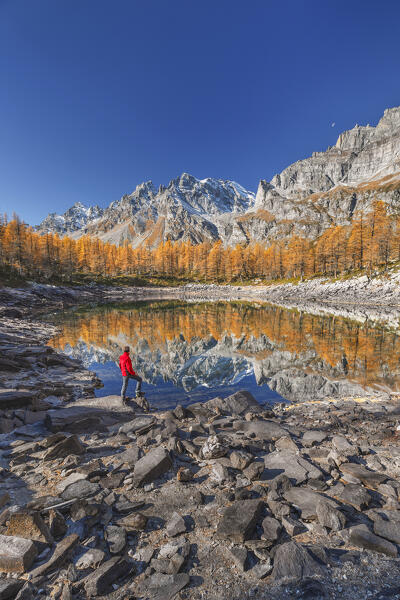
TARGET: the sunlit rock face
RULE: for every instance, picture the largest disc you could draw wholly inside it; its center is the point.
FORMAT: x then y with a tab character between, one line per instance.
307	197
299	355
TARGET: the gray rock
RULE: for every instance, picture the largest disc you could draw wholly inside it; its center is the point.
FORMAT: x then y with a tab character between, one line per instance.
294	467
213	448
390	530
240	460
129	457
356	495
306	501
343	446
286	443
91	559
151	466
267	431
169	566
135	521
219	473
80	489
238	403
261	569
68	480
360	473
116	538
30	525
313	437
99	582
271	529
139	424
60	555
16	554
70	445
176	525
239	520
9	588
292	526
16	398
254	470
28	592
362	537
330	517
163	587
294	562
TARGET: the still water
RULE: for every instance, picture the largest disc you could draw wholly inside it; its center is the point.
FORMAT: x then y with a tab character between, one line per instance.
188	352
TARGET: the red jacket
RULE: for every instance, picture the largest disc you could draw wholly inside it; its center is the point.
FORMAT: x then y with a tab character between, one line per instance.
125	364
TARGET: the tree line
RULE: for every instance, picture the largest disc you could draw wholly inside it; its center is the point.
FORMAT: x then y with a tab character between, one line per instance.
371	240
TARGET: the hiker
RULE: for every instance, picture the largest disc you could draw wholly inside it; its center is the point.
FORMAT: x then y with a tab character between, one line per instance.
125	364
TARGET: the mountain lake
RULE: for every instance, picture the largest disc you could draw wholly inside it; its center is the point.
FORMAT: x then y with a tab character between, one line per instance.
188	352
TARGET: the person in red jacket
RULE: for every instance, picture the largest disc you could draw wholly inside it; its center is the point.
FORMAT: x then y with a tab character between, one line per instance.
125	364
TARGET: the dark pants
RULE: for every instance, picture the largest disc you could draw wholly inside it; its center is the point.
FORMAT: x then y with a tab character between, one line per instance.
125	382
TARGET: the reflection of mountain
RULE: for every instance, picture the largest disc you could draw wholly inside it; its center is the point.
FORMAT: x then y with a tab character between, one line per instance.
299	355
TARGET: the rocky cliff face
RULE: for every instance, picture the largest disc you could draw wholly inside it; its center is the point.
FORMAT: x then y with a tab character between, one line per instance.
330	187
306	198
76	218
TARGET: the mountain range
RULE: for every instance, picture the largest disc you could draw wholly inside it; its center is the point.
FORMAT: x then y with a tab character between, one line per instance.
307	197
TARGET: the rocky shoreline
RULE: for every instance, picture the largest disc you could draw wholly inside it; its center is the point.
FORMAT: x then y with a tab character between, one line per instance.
222	499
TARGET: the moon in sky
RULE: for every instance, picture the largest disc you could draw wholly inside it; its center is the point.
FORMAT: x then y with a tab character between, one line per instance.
333	124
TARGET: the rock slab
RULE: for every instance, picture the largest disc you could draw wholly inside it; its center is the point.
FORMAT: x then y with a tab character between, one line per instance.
239	520
16	554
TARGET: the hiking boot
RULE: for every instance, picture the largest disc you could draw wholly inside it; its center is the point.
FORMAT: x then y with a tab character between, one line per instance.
139	394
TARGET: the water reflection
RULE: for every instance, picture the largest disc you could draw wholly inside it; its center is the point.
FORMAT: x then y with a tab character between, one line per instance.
186	348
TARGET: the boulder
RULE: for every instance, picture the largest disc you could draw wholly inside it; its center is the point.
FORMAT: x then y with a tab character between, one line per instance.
72	478
254	470
238	403
390	530
294	467
116	538
313	437
176	525
240	460
292	526
330	517
16	554
60	555
151	466
29	525
163	587
306	501
362	537
271	529
74	420
9	588
99	582
294	562
16	398
91	559
80	489
133	522
67	446
213	448
239	520
267	431
360	473
356	495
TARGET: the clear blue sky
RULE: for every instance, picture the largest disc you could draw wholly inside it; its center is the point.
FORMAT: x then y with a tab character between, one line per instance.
99	95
